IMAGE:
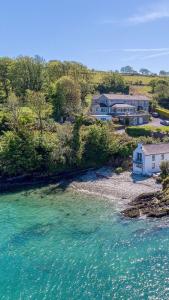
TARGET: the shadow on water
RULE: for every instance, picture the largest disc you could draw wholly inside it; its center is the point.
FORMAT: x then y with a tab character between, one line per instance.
34	232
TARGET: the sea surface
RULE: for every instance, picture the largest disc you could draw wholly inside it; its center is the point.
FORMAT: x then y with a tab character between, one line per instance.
57	245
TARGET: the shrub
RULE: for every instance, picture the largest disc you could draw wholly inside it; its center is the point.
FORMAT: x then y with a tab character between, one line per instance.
163	112
166	183
147	131
164	166
119	170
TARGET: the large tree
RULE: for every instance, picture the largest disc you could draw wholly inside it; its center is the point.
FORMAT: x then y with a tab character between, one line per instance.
145	71
41	108
113	83
65	95
27	74
128	69
5	69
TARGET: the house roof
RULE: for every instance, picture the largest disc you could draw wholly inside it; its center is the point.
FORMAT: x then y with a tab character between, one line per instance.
123	106
112	96
151	149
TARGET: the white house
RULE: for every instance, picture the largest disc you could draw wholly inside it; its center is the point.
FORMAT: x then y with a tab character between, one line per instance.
147	158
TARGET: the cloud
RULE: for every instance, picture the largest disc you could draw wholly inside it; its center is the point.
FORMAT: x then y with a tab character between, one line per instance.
136	53
145	14
145	49
149	16
156	55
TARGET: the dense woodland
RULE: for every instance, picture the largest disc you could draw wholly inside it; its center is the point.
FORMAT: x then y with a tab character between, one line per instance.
44	122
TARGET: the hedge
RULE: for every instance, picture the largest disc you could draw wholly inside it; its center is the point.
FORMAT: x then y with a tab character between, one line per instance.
136	131
163	112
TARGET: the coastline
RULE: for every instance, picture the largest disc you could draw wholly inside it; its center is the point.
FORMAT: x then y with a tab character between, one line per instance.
122	188
103	183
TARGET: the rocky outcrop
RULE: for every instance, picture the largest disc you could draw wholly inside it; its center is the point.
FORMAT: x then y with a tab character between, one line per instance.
153	205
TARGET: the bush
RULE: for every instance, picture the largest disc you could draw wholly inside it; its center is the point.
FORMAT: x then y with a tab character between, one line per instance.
119	170
164	168
163	112
147	131
166	183
17	153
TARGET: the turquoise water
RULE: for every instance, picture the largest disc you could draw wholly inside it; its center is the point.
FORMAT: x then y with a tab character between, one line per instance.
63	246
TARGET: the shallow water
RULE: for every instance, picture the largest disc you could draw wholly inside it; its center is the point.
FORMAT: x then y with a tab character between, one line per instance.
66	246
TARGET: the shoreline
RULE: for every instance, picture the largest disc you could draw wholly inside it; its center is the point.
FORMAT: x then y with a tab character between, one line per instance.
121	189
103	183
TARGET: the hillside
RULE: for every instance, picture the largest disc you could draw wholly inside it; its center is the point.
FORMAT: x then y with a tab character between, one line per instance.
139	84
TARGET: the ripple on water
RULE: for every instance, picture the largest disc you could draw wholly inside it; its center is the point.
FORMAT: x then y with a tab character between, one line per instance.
61	247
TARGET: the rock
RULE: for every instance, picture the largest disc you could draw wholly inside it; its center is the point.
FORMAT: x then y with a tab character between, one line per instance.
152	205
131	213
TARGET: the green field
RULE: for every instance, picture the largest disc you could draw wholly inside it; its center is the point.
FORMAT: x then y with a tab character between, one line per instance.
139	84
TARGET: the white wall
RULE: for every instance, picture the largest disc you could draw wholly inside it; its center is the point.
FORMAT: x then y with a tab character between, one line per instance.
149	163
136	169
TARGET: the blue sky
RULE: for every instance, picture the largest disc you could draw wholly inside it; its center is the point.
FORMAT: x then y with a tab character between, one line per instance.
101	34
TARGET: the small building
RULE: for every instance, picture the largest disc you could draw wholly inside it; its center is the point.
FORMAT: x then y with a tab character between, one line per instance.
147	158
103	117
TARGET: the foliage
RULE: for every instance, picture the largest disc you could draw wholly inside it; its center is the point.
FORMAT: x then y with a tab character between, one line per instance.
65	96
113	83
164	166
136	131
27	74
17	153
162	112
40	107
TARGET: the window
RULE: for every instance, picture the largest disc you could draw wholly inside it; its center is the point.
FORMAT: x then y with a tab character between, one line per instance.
139	157
162	156
153	165
153	157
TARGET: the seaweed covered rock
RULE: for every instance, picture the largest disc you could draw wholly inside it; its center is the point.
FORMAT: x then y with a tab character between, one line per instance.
153	205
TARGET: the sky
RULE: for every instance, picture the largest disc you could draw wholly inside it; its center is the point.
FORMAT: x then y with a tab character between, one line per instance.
102	34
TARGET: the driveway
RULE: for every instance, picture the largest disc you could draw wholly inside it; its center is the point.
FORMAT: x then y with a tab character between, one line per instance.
156	122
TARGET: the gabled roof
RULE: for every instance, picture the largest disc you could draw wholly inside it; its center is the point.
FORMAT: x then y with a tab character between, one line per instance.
151	149
112	96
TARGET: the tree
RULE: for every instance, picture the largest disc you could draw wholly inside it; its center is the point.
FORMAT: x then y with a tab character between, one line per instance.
128	69
5	69
153	83
164	168
65	95
97	145
145	71
163	73
17	153
14	111
113	83
27	74
40	107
